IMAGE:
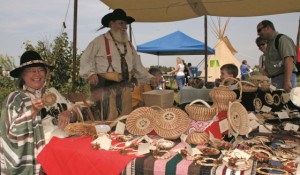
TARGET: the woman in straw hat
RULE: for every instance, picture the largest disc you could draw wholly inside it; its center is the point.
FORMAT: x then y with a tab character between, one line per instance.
30	116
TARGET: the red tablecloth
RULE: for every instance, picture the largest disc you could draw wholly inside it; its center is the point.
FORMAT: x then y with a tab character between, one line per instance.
74	156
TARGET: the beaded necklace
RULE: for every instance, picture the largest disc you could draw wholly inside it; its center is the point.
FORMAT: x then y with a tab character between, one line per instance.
124	44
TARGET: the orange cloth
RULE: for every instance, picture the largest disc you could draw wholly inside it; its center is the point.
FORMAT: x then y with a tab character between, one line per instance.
137	95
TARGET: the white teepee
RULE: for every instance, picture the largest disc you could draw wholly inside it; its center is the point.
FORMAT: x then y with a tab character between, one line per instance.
224	53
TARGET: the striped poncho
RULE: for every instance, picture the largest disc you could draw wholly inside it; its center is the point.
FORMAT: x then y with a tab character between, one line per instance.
21	137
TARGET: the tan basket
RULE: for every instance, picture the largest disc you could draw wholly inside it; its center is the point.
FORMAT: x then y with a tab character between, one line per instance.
259	79
248	86
140	121
222	95
86	129
264	86
238	118
171	123
161	98
197	138
201	112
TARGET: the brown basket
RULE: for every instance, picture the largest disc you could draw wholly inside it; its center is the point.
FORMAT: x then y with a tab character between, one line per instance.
161	98
197	138
140	121
248	86
201	112
264	86
171	123
257	79
238	118
222	95
86	129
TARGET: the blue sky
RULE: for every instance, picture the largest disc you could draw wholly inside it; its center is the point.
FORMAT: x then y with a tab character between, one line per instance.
36	20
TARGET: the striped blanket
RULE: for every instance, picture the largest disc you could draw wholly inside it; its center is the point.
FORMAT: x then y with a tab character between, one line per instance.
176	164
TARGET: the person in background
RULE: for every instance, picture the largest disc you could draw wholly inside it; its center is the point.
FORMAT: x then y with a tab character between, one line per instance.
262	46
227	70
178	71
158	73
109	63
280	63
186	73
245	70
190	70
30	116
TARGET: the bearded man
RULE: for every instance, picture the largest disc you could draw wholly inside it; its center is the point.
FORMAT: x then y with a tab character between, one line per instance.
109	62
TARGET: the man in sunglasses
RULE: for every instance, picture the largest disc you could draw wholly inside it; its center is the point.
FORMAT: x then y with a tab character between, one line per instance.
280	60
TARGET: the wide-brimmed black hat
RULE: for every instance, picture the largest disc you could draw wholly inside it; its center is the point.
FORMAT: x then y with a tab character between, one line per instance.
29	59
117	14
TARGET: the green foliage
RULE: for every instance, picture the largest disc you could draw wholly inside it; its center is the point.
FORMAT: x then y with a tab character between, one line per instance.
59	54
164	69
7	62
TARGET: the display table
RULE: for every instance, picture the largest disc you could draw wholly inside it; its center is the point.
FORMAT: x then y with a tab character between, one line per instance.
188	94
75	156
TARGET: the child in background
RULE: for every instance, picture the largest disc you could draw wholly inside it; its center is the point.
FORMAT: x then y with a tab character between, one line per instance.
158	73
228	70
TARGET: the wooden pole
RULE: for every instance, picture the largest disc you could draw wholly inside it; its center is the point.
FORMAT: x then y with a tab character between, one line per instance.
74	45
205	38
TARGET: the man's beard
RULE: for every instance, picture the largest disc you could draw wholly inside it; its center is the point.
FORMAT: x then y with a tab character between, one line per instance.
120	36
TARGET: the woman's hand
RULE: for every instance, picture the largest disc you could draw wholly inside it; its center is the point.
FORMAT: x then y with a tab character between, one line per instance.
64	119
37	105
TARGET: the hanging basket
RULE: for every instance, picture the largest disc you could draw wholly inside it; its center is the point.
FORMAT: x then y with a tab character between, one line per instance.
201	112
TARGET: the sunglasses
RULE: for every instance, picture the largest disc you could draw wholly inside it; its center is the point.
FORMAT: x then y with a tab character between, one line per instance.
259	30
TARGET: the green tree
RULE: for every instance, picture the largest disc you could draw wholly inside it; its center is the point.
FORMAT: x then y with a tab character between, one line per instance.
59	54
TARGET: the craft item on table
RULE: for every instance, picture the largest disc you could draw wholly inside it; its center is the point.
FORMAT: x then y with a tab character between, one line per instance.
248	86
170	123
140	121
270	171
209	85
276	99
124	138
197	138
163	144
208	161
187	156
264	86
285	154
263	139
161	154
295	96
269	99
290	166
86	129
222	95
197	83
201	112
238	118
238	164
208	151
161	98
216	128
261	81
102	129
49	99
220	144
198	126
257	104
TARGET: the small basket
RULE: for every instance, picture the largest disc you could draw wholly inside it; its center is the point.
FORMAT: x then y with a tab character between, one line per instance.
238	118
197	138
161	98
201	112
248	86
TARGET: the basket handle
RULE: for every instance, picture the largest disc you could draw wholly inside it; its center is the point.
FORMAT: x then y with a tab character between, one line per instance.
114	123
202	101
239	83
249	83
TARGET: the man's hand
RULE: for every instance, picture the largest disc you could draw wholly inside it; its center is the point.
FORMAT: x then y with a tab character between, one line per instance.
287	86
93	79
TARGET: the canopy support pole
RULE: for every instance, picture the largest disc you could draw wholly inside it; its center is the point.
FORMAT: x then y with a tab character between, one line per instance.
74	45
205	41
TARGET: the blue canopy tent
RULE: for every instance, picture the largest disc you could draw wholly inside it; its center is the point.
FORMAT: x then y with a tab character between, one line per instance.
176	43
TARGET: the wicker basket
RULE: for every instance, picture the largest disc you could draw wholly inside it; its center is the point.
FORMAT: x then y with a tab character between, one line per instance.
238	118
171	123
222	95
248	86
197	138
257	79
201	112
161	98
264	86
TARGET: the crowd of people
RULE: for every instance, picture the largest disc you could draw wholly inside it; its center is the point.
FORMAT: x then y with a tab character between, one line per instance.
34	113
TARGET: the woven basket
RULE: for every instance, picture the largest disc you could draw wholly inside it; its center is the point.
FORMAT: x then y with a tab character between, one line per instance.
201	112
222	95
248	86
257	79
264	86
197	138
238	118
161	98
140	121
170	123
197	83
